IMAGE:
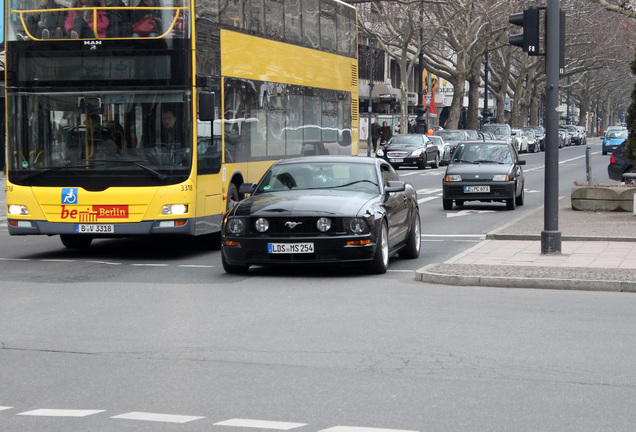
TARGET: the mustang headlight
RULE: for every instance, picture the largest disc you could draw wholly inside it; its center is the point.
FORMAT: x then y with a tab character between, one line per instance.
323	224
357	225
261	225
380	152
236	226
453	178
500	177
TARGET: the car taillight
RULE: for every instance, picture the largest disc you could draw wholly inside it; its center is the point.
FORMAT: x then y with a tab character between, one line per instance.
612	159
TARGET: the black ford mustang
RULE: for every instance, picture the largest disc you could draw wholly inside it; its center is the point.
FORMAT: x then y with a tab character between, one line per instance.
323	209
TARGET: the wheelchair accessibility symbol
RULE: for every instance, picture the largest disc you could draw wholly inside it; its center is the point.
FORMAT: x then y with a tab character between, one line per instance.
69	195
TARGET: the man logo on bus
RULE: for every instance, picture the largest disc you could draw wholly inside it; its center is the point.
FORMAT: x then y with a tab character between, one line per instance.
69	195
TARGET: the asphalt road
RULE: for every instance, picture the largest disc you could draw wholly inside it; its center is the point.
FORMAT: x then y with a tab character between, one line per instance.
146	335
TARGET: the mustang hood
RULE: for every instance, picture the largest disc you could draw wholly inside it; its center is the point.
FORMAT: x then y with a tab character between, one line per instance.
304	203
481	171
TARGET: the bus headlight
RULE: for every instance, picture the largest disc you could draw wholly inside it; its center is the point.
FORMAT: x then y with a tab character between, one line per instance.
18	210
175	209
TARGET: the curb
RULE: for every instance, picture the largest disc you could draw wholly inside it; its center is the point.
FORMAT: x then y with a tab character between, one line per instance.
427	274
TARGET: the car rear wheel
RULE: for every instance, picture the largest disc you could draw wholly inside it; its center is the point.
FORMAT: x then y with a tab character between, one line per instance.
511	203
380	262
414	240
233	269
519	200
76	241
435	163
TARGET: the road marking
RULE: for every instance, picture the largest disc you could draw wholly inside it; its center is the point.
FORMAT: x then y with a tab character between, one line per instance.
570	160
2	408
260	424
166	418
150	265
57	260
60	412
362	429
15	259
195	266
467	212
104	262
482	236
428	191
423	200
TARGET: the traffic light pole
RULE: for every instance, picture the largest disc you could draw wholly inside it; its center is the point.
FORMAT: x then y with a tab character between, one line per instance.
551	236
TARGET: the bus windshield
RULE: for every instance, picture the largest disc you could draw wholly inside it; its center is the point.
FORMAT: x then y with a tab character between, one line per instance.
132	138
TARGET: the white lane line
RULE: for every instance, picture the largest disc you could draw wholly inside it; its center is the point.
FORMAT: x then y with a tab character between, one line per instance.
428	191
15	259
57	260
362	429
150	265
423	200
2	408
195	266
60	412
260	424
166	418
104	262
480	236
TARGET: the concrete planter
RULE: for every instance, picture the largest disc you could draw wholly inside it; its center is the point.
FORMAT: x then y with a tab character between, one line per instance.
603	198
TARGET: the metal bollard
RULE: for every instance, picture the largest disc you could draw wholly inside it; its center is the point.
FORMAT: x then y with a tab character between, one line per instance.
588	164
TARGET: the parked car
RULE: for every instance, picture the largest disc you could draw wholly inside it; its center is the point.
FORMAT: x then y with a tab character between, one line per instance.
472	134
582	134
612	139
620	164
539	133
444	150
565	139
484	171
520	140
533	144
323	210
501	130
575	134
487	135
410	150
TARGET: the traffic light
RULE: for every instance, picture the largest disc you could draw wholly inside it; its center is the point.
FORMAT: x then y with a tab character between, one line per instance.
529	39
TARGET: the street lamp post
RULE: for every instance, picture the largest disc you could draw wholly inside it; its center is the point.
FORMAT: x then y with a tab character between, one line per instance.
370	109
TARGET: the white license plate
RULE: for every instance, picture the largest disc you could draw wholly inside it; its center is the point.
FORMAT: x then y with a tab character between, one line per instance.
94	228
396	160
287	248
476	189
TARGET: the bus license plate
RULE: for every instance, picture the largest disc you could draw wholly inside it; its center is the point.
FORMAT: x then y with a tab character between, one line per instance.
94	228
287	248
476	189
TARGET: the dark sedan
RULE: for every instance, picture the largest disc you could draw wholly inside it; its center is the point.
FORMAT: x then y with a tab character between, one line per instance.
620	164
484	171
410	150
323	210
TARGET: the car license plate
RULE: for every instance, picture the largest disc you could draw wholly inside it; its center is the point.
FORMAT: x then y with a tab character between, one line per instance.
287	248
476	189
94	228
396	160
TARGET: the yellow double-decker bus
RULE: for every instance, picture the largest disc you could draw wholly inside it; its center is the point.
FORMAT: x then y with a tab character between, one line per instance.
144	119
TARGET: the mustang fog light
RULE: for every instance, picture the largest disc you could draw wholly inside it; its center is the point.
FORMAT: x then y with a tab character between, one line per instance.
358	226
18	210
236	226
174	209
453	178
500	177
261	225
323	224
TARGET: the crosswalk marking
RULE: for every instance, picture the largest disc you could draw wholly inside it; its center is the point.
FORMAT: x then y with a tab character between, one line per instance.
165	418
60	412
260	424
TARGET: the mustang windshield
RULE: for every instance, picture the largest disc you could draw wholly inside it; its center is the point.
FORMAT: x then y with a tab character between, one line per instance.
120	138
341	176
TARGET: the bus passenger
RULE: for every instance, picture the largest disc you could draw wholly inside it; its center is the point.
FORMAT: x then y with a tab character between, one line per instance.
169	133
143	14
80	24
48	22
119	24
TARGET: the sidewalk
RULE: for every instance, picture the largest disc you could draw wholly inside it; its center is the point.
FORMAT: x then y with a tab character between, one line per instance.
598	252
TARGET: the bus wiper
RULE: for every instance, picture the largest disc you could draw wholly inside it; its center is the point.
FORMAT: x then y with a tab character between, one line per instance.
91	162
34	174
146	168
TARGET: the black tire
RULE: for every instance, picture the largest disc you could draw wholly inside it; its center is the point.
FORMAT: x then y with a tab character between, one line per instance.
511	203
459	203
73	241
520	199
447	204
435	163
232	196
380	262
423	164
233	269
414	240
